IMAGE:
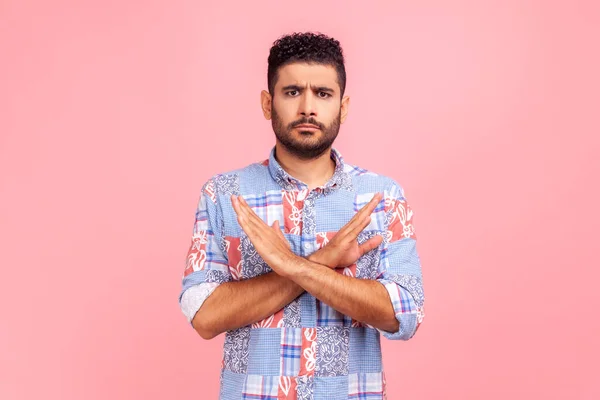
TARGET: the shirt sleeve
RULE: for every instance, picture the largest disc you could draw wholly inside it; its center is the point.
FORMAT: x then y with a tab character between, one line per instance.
206	266
400	267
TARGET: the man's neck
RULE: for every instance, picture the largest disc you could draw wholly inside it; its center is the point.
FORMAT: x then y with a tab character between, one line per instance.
315	172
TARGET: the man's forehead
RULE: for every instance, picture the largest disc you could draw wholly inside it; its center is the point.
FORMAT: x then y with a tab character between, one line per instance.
302	74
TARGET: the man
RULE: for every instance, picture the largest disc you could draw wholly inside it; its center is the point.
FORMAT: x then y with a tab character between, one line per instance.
303	259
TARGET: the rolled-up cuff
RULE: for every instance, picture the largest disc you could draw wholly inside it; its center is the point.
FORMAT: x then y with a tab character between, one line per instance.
407	313
193	298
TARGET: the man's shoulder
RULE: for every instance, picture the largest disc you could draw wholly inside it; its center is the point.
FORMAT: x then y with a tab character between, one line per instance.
255	167
365	177
228	182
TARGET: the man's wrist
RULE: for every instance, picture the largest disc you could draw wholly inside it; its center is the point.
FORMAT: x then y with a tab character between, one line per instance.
317	258
314	257
302	268
292	266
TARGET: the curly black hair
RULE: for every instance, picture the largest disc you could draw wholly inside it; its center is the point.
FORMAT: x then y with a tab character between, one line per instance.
306	47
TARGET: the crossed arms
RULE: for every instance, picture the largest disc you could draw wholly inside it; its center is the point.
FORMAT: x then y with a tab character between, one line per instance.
391	303
240	303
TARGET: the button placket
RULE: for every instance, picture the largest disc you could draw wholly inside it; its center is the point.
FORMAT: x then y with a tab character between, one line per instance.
307	236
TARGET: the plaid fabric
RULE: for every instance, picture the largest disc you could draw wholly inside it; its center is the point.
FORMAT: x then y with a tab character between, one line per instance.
327	315
366	386
291	347
267	206
261	387
307	350
204	252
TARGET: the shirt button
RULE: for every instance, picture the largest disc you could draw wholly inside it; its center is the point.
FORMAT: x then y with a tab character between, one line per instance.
307	246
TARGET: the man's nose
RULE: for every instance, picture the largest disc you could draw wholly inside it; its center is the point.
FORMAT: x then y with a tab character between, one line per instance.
307	105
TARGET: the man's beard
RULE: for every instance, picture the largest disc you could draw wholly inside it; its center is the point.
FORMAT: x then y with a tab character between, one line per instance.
306	147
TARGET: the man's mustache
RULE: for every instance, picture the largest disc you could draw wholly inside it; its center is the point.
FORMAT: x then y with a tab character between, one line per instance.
310	121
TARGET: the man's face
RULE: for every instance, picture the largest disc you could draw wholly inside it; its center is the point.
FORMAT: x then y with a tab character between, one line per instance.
306	110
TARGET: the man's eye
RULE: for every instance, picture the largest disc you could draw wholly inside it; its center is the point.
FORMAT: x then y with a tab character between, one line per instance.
325	94
292	92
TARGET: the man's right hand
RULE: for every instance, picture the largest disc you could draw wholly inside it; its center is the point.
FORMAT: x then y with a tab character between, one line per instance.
343	249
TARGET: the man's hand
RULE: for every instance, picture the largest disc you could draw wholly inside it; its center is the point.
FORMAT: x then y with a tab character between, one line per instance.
268	241
343	249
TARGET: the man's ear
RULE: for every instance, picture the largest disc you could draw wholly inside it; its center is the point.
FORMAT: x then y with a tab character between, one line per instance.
344	108
266	103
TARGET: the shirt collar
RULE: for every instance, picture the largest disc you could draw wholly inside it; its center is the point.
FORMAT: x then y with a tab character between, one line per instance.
288	182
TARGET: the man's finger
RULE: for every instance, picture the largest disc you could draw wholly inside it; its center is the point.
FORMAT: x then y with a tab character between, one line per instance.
279	233
361	216
243	206
350	225
244	217
254	226
251	214
370	206
243	210
235	204
240	214
240	208
359	227
255	223
371	244
278	229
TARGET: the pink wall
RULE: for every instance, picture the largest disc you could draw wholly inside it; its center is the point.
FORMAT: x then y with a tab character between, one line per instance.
486	114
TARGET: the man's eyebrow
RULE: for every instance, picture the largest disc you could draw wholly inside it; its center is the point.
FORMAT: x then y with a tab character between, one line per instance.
299	88
291	87
325	89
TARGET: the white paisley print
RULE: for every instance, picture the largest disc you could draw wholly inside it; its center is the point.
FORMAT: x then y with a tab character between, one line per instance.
293	207
197	253
304	389
235	350
332	351
252	263
309	350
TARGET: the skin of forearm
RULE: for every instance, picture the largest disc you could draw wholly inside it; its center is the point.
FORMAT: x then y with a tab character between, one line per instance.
240	303
236	304
364	300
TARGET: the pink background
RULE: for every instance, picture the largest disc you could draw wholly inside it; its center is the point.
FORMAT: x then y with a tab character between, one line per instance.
113	113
